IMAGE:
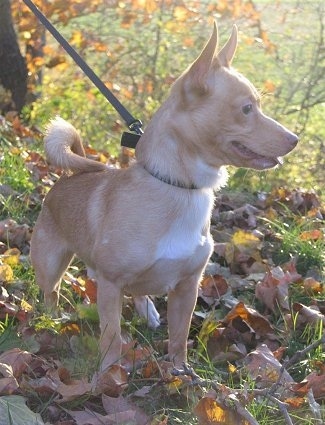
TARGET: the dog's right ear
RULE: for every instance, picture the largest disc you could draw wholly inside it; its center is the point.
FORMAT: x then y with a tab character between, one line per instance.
227	53
198	71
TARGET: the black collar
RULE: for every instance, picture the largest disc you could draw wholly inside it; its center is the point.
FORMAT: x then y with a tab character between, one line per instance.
167	180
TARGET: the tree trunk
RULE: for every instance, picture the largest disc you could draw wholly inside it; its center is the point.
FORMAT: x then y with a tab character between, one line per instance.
13	70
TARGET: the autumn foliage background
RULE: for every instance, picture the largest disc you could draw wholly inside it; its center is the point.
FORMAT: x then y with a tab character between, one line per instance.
139	47
262	299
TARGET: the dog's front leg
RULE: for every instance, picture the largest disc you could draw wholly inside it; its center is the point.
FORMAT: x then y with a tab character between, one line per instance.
181	303
109	303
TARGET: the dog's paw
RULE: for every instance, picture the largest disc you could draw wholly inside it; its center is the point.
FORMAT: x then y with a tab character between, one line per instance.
146	309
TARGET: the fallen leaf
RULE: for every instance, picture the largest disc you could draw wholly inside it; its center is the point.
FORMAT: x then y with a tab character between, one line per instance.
112	382
8	386
11	256
315	382
312	235
273	290
212	288
313	286
6	273
255	320
13	410
210	412
262	364
59	381
310	315
17	359
120	405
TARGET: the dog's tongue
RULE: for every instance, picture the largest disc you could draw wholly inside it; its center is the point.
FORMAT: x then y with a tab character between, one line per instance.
259	161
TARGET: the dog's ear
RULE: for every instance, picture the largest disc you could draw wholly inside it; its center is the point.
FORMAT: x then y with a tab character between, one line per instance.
198	71
226	54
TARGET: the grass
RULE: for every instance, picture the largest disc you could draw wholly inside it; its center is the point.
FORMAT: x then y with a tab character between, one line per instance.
297	239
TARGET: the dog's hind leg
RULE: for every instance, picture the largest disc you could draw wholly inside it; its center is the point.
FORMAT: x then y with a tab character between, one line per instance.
50	258
109	303
146	309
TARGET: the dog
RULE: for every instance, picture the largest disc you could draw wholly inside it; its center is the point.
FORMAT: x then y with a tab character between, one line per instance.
145	229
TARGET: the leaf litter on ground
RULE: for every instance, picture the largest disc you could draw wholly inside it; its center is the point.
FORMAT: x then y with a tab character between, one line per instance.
249	310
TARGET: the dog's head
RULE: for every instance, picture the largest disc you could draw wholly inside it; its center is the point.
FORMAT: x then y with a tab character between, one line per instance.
225	120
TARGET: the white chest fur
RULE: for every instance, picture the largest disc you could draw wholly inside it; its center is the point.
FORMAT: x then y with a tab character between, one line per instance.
188	229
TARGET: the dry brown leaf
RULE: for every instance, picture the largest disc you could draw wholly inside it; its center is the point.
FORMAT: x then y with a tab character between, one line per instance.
17	359
255	320
89	417
315	382
59	381
262	364
307	315
8	385
273	290
112	382
225	344
13	234
121	406
212	288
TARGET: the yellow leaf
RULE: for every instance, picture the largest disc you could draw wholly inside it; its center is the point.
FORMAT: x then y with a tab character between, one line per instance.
181	13
174	385
15	151
229	252
78	39
6	273
26	306
244	238
11	257
231	368
209	325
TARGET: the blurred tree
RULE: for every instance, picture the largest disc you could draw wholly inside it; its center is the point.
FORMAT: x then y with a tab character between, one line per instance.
13	70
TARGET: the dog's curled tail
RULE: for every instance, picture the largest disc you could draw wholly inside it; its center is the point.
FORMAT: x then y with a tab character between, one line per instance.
64	149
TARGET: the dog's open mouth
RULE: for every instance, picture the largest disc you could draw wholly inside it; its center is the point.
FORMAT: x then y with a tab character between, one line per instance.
258	161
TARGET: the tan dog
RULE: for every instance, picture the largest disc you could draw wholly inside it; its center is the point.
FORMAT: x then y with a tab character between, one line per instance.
145	229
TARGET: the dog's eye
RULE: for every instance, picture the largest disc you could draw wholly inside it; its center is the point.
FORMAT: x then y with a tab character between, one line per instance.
247	108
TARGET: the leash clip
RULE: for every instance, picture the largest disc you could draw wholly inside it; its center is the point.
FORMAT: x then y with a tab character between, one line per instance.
130	140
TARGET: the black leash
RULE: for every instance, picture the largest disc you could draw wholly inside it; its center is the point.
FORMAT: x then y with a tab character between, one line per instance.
128	139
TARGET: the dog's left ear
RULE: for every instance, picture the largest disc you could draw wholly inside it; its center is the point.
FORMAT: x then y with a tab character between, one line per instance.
198	71
227	53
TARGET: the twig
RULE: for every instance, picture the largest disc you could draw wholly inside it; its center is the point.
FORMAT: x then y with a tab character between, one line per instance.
230	400
283	409
301	353
240	409
314	406
295	359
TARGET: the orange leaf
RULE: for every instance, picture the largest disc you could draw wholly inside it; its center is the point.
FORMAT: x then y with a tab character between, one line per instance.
214	286
255	320
211	412
91	290
295	402
312	285
314	235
